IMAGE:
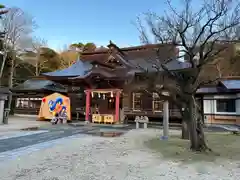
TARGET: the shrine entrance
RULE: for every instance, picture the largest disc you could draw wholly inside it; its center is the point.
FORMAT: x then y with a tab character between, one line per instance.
103	105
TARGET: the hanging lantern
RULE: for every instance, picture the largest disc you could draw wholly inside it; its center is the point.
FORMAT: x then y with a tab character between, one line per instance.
111	94
99	95
92	94
43	100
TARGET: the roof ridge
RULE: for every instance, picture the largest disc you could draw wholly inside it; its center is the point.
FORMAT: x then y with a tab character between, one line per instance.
130	48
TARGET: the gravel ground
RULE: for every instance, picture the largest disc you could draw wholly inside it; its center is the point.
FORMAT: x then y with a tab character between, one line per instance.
120	158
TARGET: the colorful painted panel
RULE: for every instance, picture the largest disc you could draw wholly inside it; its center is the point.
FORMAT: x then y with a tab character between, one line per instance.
55	104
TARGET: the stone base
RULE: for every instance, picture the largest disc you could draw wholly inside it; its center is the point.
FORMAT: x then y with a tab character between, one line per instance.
145	124
164	138
86	122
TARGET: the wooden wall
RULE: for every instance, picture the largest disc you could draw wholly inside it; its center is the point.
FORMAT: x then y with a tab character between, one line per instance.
222	119
147	109
32	97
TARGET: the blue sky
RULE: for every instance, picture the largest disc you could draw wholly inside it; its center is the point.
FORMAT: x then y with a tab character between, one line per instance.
62	22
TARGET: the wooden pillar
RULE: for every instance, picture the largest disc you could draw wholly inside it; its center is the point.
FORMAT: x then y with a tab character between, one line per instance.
165	120
117	106
88	96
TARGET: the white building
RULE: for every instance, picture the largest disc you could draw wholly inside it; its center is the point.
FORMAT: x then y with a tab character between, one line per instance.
221	103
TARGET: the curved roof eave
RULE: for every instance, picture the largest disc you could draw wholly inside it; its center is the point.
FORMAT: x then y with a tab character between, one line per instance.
77	69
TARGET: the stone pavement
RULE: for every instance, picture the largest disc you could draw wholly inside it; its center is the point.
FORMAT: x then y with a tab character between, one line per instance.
44	135
17	123
25	142
15	153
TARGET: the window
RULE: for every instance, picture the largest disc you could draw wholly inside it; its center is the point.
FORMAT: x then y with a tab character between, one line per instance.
137	103
226	105
28	102
35	102
22	103
157	103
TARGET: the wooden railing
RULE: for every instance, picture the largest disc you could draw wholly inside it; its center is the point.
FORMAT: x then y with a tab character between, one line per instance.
131	111
150	112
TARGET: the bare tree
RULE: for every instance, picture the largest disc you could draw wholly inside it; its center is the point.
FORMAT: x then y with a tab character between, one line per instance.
37	46
3	11
17	26
35	55
68	56
204	32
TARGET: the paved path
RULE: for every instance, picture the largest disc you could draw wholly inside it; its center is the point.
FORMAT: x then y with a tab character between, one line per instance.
44	135
18	123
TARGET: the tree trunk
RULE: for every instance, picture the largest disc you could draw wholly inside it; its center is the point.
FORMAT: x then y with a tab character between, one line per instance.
2	66
10	85
195	127
36	70
185	132
185	120
37	65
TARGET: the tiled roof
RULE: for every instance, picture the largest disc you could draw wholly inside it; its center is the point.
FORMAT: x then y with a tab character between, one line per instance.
231	84
132	58
149	65
39	84
106	72
209	90
79	68
165	51
4	90
224	86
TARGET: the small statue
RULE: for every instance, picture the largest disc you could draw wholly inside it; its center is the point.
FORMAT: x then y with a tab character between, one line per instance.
146	119
137	118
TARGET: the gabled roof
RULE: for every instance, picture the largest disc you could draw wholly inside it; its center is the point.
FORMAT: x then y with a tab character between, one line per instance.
79	68
39	84
130	59
165	51
140	56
